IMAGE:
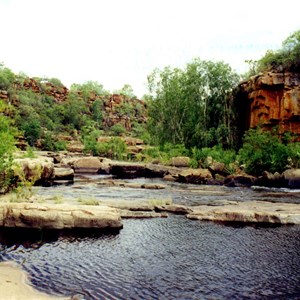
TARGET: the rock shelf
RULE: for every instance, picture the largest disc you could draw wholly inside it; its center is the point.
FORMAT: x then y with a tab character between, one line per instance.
58	216
249	212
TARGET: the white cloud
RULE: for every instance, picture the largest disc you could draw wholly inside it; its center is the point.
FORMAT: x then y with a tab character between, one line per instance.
121	41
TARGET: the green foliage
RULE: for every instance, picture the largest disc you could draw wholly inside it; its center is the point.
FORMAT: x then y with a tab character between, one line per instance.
126	91
285	58
117	129
51	143
97	112
90	141
32	131
7	77
115	148
294	155
192	106
7	146
217	153
263	151
24	189
88	89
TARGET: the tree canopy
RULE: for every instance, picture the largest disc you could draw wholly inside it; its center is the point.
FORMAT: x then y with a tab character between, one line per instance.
193	105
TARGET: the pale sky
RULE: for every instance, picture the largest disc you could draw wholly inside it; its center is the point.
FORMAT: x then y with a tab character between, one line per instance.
117	42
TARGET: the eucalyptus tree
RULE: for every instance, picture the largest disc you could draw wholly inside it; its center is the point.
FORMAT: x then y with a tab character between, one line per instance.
192	106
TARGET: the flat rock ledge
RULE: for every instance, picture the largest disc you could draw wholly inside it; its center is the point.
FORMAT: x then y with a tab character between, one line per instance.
249	212
59	216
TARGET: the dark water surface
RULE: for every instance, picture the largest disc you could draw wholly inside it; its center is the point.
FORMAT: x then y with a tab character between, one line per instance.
168	258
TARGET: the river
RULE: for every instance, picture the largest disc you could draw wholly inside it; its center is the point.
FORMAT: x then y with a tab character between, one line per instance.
164	258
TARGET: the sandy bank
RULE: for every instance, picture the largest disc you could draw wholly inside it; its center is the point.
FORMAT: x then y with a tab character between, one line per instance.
14	284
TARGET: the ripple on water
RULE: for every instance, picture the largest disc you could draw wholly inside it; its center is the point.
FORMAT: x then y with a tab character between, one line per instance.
172	258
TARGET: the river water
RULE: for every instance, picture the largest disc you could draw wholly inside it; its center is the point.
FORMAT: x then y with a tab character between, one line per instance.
165	258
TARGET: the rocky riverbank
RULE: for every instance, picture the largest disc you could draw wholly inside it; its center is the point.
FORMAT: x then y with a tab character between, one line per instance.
50	167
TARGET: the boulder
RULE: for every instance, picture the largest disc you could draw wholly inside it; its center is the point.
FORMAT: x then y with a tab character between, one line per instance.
270	180
180	161
54	216
240	180
36	170
63	174
75	146
196	176
291	178
218	168
87	165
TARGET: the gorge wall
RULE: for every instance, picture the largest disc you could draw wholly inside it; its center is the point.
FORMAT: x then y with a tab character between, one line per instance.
270	100
116	109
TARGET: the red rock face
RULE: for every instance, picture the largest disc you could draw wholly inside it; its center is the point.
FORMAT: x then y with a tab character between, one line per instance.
274	100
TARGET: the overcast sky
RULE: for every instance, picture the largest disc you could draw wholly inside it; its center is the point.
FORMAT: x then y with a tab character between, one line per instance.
117	42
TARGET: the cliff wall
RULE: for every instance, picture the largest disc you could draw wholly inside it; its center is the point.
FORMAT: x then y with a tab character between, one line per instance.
270	100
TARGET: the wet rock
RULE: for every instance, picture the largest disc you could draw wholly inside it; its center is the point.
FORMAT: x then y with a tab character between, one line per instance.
29	215
291	178
249	212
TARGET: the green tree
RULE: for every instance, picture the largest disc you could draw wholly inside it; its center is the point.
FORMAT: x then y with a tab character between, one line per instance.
192	106
87	89
7	146
7	77
126	91
263	151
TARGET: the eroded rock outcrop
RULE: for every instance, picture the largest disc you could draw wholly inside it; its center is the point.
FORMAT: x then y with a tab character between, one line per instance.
271	99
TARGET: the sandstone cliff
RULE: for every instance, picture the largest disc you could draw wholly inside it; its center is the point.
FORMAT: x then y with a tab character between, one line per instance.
270	99
116	109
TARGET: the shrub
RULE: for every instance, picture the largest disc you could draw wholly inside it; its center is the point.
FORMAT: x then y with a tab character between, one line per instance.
217	153
7	77
90	142
263	151
294	155
117	129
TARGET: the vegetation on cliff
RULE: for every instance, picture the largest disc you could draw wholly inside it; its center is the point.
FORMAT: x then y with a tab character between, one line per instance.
287	58
189	111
